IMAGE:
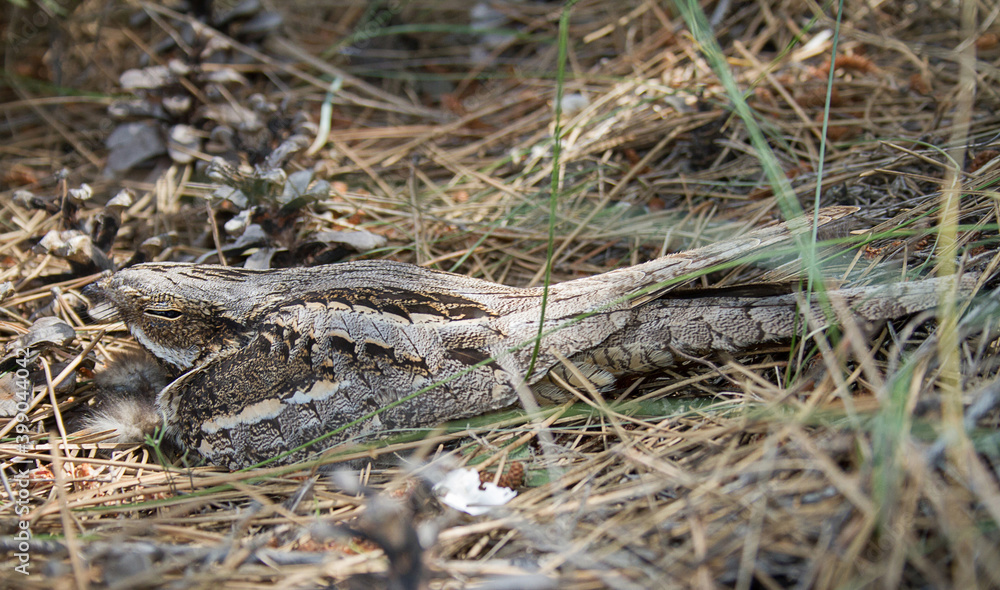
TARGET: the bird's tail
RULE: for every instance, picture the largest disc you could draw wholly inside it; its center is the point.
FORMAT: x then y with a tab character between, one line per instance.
662	329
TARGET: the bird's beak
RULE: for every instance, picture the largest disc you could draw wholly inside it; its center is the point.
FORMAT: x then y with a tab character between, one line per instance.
101	306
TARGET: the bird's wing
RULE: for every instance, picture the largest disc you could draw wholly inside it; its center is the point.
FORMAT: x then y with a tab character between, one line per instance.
321	363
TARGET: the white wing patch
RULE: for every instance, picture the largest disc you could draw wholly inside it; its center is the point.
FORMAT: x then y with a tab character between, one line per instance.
321	390
262	410
272	407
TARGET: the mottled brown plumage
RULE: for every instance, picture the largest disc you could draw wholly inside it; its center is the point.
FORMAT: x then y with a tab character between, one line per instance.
270	360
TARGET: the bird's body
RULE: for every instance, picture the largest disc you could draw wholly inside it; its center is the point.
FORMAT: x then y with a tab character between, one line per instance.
268	361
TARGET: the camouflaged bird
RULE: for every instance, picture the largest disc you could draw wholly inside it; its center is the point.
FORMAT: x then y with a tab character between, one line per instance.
268	361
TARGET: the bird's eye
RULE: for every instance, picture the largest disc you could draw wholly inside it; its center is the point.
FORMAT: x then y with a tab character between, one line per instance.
166	314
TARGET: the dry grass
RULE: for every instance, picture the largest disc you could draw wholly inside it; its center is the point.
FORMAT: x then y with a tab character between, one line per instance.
853	460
